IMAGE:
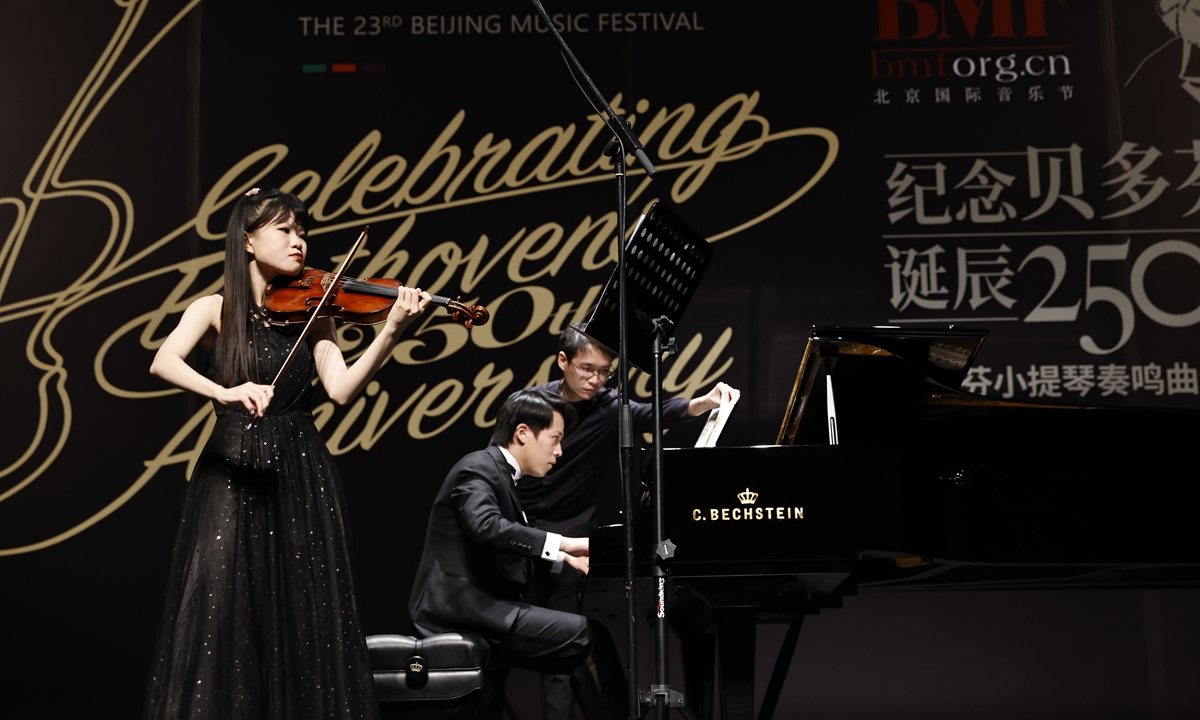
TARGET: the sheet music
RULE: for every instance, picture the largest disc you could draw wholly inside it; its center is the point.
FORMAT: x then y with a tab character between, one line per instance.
715	424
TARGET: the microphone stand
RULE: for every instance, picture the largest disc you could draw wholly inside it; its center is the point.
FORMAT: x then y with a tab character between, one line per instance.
624	143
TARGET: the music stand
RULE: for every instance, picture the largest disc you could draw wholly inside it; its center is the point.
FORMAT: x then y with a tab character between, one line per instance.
664	261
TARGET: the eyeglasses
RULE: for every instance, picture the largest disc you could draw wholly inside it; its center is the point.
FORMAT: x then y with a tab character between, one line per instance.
588	372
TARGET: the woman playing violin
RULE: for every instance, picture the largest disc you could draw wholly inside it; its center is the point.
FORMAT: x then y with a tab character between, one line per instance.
261	618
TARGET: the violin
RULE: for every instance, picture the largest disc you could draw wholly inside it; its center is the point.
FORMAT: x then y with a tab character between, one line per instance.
359	302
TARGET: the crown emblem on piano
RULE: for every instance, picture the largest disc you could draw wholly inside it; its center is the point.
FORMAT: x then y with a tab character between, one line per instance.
416	666
747	497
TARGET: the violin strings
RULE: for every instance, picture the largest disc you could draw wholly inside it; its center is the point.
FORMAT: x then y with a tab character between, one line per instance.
369	288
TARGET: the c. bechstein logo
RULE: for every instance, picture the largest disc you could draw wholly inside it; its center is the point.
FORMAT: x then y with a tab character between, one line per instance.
749	497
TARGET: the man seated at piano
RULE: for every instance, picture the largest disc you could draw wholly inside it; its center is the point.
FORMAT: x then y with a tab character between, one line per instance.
479	554
564	501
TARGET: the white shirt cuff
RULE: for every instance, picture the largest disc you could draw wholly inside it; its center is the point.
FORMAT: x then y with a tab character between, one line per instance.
552	553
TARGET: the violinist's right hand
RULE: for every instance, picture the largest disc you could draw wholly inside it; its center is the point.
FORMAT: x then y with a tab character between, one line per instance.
251	397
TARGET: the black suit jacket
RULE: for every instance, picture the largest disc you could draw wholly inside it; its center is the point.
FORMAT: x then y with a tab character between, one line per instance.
479	552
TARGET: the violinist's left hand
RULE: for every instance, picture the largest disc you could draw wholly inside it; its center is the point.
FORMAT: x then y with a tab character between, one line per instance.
410	304
342	383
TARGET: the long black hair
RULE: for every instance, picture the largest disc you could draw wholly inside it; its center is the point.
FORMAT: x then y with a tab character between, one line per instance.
234	356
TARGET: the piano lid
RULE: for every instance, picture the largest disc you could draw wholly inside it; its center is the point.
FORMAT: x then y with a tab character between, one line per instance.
936	360
900	387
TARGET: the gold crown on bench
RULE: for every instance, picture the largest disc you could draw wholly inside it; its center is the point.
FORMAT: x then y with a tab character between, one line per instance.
416	666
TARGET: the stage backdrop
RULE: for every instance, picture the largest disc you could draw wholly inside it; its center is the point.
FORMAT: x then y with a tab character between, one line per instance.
1027	166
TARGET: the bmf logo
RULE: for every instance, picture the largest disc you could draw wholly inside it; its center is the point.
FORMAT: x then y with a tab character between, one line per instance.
975	19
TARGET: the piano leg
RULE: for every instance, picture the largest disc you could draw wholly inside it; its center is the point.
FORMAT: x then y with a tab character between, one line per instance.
782	663
736	627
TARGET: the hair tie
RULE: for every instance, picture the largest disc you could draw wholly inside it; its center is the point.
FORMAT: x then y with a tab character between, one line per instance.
251	191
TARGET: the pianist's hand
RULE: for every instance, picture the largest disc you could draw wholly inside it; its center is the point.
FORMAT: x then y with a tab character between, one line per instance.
720	394
573	546
579	563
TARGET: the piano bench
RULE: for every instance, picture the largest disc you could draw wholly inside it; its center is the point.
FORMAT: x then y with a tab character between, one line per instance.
443	676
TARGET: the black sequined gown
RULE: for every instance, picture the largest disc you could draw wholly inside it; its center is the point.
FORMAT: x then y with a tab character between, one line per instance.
261	619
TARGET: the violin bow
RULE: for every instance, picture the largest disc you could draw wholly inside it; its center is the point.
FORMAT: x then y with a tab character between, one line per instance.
316	312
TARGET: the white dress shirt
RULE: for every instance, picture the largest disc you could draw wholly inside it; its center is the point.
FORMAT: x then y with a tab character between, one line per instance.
551	551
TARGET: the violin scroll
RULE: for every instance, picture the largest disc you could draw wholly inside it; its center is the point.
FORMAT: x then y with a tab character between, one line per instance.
472	316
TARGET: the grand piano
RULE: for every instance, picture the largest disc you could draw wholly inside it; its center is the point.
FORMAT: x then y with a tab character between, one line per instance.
886	476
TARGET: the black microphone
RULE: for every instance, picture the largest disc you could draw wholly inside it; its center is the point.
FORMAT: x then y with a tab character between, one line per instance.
639	152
